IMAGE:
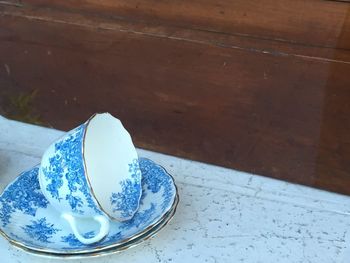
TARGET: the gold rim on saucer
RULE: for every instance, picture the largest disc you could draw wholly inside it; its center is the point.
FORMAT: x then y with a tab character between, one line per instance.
99	248
111	250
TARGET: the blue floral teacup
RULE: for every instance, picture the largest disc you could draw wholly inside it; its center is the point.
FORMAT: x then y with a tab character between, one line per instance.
93	172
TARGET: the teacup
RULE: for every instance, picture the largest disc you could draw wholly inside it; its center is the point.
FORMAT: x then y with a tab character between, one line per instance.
92	172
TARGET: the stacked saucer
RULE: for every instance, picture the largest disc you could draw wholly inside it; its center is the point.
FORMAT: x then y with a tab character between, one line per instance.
90	195
30	222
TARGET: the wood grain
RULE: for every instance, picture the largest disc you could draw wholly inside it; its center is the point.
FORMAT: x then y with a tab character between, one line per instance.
311	22
266	98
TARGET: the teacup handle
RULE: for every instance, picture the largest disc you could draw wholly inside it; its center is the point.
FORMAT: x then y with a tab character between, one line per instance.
104	228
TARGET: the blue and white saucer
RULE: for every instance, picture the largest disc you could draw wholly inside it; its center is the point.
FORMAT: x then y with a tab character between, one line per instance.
28	221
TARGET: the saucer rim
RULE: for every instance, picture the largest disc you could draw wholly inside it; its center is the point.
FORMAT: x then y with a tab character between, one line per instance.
112	250
99	248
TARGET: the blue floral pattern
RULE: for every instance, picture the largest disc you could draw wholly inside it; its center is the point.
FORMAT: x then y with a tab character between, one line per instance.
31	242
112	238
127	200
73	242
24	196
140	218
68	154
40	230
153	177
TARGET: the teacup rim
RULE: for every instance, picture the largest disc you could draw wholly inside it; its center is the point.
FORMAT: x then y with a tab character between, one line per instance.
86	175
89	186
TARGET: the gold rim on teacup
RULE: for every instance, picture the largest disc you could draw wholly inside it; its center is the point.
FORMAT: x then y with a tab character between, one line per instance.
43	251
107	166
85	169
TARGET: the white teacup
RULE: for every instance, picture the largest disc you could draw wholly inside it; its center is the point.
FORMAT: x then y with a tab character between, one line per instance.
93	172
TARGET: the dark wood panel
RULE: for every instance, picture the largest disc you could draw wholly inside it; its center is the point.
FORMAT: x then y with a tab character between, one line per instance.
266	46
11	2
260	105
311	22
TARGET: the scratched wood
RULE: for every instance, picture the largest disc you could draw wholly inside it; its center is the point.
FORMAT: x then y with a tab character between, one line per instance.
268	98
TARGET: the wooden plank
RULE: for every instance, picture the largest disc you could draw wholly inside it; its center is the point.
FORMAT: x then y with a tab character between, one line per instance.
266	46
311	22
262	112
10	2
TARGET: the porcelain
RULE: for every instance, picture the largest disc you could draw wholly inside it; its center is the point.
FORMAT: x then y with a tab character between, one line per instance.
93	172
29	221
150	233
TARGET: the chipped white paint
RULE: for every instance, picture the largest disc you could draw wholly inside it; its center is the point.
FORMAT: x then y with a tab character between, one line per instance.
223	215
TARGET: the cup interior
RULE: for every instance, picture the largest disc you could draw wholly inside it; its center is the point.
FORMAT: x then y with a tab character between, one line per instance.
108	151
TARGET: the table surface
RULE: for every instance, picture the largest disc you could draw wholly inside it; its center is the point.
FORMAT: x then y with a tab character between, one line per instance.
223	215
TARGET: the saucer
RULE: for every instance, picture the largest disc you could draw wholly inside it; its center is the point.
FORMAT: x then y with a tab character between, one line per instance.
28	221
115	249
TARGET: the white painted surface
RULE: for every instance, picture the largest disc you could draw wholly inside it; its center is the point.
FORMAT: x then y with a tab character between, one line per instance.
223	215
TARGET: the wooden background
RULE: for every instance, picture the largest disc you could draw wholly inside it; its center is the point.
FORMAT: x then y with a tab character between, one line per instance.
261	86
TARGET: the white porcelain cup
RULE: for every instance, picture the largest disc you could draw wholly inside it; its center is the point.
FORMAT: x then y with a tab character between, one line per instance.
93	172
